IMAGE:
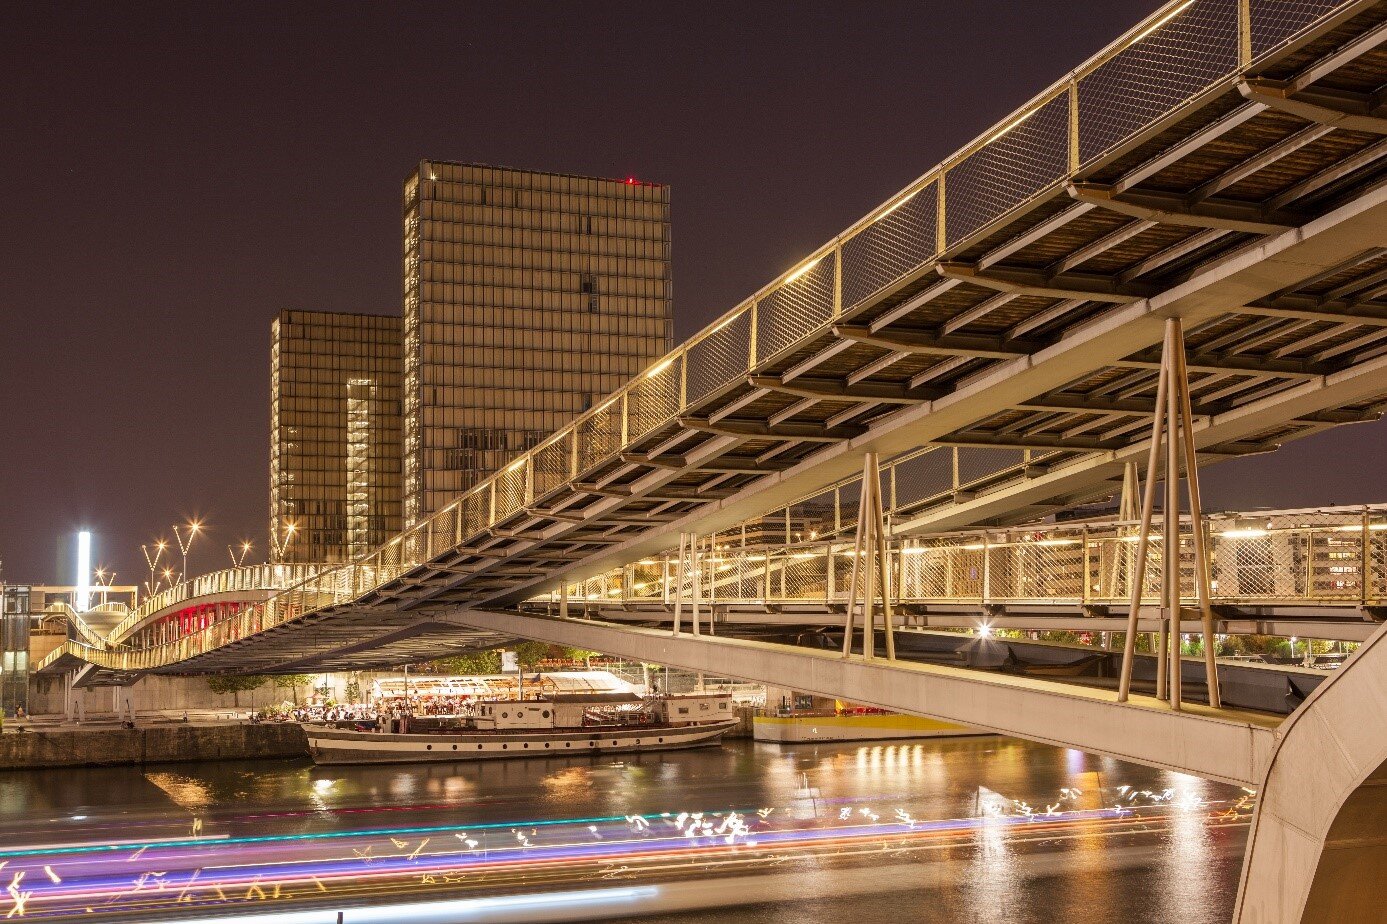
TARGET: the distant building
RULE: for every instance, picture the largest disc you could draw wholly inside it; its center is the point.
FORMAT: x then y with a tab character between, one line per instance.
335	433
527	298
34	621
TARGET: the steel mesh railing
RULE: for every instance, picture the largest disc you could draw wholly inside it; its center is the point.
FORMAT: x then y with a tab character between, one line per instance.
1180	52
510	489
246	577
1325	564
1013	165
1184	51
1275	22
654	398
803	303
900	240
720	357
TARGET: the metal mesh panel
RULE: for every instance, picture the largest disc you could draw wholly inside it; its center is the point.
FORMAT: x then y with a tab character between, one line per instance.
890	247
924	476
795	308
942	573
736	577
812	517
645	579
510	490
1037	570
413	549
1257	564
551	465
1335	564
654	398
805	575
599	435
720	357
1161	69
974	465
1276	21
1377	567
850	502
443	528
473	513
1023	158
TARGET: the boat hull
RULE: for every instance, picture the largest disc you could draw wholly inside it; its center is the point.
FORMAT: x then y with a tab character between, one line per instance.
343	746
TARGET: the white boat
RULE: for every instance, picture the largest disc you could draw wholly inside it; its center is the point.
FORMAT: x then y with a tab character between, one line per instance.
573	723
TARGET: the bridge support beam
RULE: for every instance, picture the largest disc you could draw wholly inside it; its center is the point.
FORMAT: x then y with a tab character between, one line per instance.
688	571
871	568
1174	422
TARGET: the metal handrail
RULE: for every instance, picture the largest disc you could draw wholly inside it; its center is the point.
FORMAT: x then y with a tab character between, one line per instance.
245	577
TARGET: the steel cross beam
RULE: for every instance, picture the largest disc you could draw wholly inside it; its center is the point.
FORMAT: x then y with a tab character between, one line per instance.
1353	111
1167	208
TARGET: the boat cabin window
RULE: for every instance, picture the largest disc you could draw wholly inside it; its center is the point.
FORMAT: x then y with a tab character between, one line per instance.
683	710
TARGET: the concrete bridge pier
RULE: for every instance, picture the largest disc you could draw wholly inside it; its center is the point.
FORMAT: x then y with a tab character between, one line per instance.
1318	847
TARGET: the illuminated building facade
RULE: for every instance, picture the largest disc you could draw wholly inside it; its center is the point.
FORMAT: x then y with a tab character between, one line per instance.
527	298
334	434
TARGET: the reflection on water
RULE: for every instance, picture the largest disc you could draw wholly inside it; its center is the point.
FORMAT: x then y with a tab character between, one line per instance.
998	872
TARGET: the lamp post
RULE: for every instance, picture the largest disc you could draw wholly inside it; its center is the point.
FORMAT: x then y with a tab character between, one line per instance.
238	559
281	546
186	543
153	561
104	580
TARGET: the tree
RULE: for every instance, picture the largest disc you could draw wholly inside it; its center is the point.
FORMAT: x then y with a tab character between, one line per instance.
529	654
291	682
472	663
234	684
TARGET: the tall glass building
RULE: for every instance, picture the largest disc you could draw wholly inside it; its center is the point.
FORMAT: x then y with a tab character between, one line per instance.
335	431
527	298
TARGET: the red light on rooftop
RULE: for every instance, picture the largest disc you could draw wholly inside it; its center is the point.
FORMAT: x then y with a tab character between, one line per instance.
630	181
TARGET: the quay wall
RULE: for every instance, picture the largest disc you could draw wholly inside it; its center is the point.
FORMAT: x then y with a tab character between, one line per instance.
101	747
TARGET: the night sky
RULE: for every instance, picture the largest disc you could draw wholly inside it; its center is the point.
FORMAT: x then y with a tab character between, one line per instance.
174	175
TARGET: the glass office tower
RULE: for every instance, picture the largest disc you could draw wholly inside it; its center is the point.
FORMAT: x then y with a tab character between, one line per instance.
527	298
335	431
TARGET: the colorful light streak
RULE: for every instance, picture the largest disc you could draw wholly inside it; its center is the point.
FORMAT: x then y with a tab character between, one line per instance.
222	873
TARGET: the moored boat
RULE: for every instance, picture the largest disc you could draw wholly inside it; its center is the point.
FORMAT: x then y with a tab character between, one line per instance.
576	723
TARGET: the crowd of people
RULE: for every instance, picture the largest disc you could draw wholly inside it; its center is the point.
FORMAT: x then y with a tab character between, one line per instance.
367	713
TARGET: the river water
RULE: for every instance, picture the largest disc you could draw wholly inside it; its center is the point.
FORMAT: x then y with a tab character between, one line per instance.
1175	859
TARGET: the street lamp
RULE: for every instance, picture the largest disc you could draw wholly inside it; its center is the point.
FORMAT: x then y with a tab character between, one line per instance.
152	559
185	543
282	546
238	560
104	580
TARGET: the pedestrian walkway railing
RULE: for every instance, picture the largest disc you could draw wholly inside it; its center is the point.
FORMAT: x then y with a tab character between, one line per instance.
228	580
1329	557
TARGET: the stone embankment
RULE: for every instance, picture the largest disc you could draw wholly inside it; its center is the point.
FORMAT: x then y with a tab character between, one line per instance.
112	745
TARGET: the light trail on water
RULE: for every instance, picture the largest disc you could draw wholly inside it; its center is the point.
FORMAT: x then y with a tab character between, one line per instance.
560	864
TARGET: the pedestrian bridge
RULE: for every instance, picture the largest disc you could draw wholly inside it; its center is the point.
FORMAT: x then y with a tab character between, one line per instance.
994	333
